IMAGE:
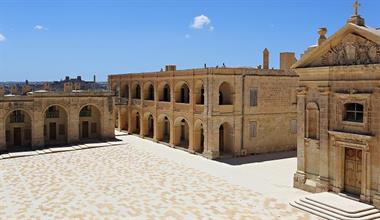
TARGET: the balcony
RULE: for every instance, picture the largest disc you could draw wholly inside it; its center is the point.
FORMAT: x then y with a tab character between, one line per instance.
52	114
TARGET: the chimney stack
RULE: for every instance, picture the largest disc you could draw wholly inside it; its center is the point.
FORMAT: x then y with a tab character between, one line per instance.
322	35
266	59
287	59
170	68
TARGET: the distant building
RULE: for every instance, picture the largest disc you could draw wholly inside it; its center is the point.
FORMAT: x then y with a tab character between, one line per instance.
212	111
56	85
47	118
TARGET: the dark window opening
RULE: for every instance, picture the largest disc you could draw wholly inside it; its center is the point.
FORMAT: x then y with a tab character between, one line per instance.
353	112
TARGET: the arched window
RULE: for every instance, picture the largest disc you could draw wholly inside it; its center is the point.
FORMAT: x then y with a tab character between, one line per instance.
150	93
52	112
137	94
17	117
202	96
199	93
185	94
353	112
225	94
85	112
166	94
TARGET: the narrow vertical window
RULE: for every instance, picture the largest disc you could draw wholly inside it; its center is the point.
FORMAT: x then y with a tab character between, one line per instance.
253	129
253	97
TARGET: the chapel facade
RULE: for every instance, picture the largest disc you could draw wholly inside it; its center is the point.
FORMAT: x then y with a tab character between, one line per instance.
338	104
211	111
33	120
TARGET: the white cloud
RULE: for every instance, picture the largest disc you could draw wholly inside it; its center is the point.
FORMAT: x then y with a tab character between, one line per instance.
2	38
187	36
200	22
39	28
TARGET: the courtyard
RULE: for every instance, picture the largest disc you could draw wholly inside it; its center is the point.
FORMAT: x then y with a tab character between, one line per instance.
140	179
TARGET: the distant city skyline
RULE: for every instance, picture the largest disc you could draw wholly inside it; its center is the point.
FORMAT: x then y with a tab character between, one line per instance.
42	40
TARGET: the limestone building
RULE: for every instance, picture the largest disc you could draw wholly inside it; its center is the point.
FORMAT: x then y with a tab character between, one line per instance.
211	111
339	113
31	120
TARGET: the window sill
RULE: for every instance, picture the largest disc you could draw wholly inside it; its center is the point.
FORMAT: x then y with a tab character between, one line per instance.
352	123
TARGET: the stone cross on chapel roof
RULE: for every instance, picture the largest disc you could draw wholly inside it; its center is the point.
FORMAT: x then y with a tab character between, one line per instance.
356	7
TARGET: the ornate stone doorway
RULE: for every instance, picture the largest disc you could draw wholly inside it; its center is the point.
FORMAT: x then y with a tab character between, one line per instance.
352	171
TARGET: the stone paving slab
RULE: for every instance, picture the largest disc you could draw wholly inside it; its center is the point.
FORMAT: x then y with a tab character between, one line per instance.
124	182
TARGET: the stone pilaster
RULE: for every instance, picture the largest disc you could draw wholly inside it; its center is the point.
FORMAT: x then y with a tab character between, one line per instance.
37	129
73	125
299	176
323	179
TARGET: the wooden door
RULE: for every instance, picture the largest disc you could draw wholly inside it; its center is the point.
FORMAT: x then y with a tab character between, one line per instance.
352	171
52	131
17	137
85	129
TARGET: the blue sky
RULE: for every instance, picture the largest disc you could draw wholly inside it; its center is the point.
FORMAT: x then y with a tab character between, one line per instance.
47	40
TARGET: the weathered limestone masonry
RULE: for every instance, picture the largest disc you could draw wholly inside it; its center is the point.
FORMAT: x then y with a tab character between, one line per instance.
41	118
338	113
211	111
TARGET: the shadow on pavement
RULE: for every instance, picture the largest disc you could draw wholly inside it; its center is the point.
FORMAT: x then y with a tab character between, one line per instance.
258	158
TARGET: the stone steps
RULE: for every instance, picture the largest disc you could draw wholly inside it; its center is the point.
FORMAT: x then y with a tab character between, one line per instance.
332	206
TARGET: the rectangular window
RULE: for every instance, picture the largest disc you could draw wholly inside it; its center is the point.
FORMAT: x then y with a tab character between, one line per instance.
253	128
253	97
61	129
93	128
293	126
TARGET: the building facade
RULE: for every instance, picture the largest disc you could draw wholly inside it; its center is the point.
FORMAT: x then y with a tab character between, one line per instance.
211	111
33	120
338	113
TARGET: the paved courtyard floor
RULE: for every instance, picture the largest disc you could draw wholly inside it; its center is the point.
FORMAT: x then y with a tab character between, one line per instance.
144	180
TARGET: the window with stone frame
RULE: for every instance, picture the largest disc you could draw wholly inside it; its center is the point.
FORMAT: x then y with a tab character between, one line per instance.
353	112
253	97
253	129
